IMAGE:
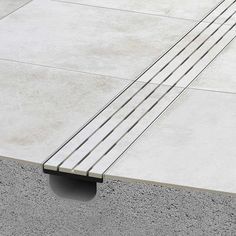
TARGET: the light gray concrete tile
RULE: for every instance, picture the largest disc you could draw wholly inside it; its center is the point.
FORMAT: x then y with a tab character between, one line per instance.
188	9
220	74
192	145
41	108
95	40
8	6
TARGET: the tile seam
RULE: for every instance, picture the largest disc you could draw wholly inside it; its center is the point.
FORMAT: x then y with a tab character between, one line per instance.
132	11
109	76
20	7
63	69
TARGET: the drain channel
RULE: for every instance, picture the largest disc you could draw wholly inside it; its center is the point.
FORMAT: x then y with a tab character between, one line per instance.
113	130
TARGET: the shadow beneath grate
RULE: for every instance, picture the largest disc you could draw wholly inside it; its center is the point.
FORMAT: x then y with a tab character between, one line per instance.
72	188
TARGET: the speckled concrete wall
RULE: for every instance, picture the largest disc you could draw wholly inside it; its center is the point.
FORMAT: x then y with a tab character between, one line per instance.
29	207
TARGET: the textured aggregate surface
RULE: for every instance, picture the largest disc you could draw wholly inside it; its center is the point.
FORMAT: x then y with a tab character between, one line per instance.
29	207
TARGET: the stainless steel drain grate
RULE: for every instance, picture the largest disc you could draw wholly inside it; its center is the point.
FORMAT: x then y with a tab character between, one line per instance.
111	132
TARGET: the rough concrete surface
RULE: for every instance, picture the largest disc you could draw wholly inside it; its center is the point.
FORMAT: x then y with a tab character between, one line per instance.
29	207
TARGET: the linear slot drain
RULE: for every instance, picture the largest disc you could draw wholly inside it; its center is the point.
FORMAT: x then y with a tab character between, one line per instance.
102	140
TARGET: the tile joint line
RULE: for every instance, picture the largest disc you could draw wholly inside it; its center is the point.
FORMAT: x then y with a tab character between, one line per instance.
125	10
1	18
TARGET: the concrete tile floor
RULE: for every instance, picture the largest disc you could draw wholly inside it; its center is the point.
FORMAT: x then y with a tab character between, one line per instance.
191	144
42	107
87	39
